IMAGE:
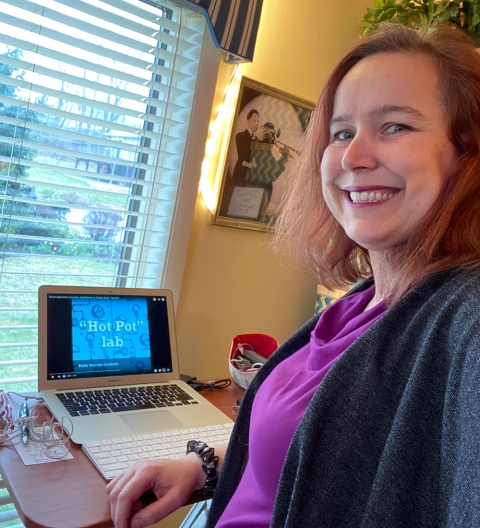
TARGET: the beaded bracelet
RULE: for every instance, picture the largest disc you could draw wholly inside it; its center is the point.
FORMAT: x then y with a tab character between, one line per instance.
209	464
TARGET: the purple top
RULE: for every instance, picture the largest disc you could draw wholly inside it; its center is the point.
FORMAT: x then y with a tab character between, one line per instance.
281	402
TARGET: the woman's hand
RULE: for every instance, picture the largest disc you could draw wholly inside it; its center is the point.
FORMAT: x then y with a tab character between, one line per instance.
172	482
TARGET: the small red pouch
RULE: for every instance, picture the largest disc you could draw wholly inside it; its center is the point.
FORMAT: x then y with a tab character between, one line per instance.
262	344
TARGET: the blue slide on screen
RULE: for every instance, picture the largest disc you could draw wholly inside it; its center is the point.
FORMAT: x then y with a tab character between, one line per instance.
110	334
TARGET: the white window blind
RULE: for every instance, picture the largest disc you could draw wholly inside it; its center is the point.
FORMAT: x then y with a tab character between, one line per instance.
95	104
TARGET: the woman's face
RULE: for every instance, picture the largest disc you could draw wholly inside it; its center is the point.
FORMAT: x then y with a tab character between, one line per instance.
389	153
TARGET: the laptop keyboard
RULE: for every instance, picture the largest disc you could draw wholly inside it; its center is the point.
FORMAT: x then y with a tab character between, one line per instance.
112	457
84	403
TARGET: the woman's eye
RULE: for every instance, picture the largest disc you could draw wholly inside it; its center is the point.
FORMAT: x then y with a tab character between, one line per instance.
396	127
343	135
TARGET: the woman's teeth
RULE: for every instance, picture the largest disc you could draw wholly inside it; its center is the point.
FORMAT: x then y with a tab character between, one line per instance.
372	196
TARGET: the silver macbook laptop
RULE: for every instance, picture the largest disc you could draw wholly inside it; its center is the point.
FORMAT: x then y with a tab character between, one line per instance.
115	347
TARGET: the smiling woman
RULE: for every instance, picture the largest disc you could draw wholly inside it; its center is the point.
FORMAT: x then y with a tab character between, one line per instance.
367	415
388	123
389	154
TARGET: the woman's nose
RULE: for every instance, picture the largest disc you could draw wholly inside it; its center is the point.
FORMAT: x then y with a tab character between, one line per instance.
360	154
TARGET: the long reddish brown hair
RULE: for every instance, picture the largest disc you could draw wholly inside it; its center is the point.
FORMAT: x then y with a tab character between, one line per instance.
449	235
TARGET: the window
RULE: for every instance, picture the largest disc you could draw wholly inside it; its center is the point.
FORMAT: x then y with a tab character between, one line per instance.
95	105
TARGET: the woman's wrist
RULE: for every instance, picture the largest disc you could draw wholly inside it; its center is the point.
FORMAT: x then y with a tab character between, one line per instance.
209	464
200	475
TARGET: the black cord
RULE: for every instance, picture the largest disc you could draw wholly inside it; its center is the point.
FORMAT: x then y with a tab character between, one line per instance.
213	384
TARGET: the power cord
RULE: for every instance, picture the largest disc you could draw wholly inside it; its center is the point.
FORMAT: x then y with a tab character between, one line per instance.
212	384
25	396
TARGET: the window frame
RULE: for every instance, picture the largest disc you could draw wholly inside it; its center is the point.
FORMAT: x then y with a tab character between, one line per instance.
187	193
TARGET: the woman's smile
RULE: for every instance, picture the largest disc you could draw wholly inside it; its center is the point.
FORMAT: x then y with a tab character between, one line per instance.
371	196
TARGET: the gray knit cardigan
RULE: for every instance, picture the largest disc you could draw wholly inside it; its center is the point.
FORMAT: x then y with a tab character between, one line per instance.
391	437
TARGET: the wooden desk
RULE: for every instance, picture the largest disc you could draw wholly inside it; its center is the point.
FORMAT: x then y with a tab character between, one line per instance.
71	493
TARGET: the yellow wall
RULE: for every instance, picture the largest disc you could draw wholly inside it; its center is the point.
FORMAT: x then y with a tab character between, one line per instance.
233	283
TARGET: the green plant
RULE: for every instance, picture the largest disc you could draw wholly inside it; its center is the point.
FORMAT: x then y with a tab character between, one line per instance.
463	14
469	19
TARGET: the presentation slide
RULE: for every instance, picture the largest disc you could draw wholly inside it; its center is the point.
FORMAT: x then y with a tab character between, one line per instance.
110	334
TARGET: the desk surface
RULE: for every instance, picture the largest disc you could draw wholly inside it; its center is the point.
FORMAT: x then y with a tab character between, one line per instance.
71	493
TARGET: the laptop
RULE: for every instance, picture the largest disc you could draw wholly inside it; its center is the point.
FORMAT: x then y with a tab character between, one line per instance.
93	340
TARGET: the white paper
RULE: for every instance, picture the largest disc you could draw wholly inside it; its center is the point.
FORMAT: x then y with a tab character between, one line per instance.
246	202
35	453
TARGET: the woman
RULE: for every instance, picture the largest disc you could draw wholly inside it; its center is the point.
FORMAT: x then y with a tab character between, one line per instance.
387	191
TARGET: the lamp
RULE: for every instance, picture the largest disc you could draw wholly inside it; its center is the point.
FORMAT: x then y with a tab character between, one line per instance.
217	144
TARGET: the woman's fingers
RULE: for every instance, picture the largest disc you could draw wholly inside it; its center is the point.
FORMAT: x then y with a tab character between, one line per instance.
158	510
170	481
125	491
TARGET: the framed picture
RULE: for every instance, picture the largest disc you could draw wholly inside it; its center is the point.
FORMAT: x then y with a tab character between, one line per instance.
262	150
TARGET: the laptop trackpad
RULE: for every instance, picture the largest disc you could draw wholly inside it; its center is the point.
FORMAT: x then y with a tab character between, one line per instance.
146	422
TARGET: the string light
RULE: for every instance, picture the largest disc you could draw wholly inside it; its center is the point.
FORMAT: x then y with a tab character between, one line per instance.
217	143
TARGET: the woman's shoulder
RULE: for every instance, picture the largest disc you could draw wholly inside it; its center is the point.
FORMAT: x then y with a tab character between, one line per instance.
443	310
443	289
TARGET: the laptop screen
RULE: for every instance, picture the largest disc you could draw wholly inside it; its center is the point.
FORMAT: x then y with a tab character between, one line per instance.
92	336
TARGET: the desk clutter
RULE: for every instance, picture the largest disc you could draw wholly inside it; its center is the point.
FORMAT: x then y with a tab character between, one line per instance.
35	440
43	494
248	353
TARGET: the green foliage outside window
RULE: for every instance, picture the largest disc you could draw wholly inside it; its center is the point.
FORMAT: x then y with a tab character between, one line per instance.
17	151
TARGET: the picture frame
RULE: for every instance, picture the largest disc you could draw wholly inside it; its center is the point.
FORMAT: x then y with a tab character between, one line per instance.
267	128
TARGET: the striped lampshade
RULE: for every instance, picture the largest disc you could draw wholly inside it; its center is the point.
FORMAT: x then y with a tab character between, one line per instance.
234	25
